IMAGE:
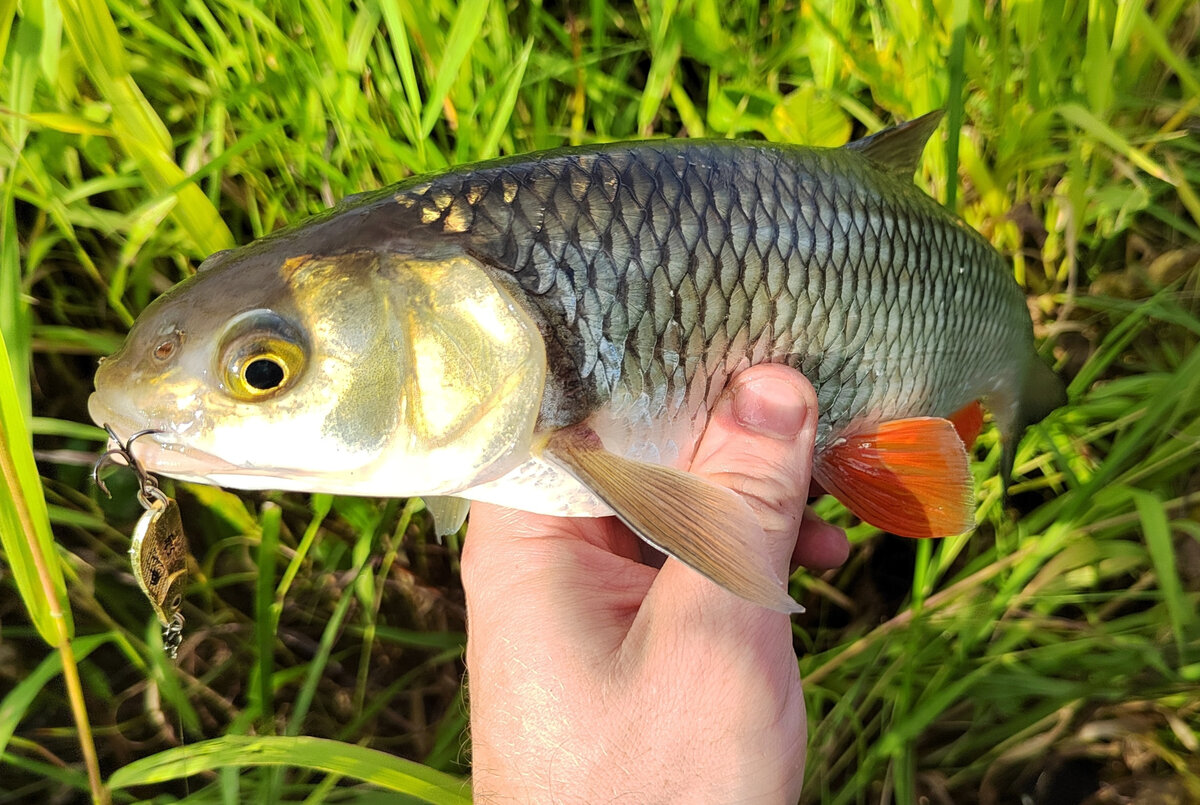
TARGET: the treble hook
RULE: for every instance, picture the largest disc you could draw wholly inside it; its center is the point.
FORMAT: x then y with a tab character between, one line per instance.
148	492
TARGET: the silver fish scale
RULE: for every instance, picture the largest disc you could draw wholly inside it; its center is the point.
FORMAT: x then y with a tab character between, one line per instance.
660	269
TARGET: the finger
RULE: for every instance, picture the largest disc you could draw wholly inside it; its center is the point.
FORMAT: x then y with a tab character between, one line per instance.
533	581
510	554
758	443
509	530
820	546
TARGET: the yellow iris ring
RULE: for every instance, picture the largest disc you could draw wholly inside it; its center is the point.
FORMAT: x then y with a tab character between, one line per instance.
288	357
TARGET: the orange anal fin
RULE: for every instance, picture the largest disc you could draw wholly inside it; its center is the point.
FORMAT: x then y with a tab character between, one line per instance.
968	422
909	477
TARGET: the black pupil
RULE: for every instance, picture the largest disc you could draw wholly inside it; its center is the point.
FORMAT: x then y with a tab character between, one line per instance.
264	374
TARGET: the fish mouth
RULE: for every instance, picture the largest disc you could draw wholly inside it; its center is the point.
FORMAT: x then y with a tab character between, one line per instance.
164	452
156	451
104	412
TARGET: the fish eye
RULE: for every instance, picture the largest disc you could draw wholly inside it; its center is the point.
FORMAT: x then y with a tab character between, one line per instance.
261	355
265	373
261	367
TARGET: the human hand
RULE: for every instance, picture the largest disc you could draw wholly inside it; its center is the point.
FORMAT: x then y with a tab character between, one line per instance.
595	677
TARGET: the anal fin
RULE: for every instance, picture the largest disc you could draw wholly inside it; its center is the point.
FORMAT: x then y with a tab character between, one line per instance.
682	515
909	477
968	423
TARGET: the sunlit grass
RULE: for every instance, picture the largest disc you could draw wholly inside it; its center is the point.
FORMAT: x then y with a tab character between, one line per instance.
137	137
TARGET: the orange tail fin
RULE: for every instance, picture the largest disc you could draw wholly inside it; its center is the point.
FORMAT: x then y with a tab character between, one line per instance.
909	477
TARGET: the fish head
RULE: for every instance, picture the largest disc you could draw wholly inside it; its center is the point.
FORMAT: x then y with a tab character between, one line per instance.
355	373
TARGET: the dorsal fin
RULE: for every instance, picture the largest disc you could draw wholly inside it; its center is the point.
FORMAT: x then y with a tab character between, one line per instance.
898	150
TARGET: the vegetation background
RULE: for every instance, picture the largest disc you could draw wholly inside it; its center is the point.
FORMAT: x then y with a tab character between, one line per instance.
1053	655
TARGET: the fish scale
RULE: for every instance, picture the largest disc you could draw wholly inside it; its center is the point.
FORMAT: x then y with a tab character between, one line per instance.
839	266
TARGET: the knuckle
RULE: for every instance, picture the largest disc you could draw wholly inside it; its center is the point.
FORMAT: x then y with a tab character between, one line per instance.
775	498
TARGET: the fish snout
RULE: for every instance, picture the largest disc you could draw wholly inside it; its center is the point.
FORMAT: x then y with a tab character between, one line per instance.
108	407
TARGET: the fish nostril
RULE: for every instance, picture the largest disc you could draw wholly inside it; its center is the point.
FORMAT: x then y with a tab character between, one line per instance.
166	348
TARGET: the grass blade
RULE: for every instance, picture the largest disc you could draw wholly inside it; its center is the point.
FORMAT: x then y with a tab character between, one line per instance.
500	123
137	127
954	102
665	50
459	41
1157	532
16	703
29	547
332	629
321	754
1101	131
24	522
265	617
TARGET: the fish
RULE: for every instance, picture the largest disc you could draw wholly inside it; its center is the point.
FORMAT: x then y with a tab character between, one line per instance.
550	331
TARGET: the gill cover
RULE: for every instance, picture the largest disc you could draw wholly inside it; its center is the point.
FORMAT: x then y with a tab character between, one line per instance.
475	366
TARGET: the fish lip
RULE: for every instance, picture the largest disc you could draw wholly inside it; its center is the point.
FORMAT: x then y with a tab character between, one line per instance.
157	451
106	411
163	452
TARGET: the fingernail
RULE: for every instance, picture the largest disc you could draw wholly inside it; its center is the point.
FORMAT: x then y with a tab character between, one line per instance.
770	406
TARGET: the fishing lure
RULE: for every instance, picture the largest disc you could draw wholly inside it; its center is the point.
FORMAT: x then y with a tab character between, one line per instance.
159	550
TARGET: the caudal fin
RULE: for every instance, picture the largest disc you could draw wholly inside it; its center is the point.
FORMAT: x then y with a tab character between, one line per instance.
1042	392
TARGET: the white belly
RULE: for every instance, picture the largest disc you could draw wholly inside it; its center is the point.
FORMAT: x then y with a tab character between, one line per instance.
541	487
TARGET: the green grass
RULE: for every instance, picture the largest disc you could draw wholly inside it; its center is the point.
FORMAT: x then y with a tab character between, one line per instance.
137	137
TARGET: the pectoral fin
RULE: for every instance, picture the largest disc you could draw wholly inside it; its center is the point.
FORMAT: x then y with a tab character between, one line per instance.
699	524
909	477
448	513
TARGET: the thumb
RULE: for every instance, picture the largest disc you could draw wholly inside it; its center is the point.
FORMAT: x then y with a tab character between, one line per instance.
759	444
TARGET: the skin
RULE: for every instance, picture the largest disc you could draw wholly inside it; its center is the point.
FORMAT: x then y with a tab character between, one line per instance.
597	677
